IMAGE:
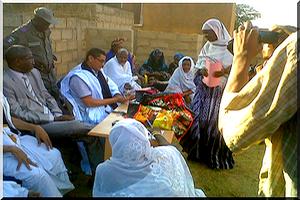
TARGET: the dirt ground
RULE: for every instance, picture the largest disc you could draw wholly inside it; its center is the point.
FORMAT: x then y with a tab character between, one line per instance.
241	181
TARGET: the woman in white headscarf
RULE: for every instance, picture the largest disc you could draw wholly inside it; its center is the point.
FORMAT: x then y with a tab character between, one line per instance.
137	169
204	142
182	80
215	49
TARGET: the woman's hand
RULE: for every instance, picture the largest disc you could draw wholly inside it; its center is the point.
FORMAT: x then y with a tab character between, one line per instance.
220	73
204	72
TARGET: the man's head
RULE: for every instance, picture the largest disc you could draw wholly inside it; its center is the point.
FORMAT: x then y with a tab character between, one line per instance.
122	56
95	58
19	58
43	17
117	44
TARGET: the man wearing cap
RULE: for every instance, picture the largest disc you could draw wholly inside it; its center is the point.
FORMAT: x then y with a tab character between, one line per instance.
35	34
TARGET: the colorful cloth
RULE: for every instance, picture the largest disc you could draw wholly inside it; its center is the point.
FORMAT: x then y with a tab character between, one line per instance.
165	111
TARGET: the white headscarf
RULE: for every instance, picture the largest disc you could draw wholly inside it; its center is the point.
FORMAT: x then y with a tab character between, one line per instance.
120	74
137	169
181	81
216	50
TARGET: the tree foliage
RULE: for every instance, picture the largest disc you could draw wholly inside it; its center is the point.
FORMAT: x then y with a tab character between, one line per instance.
244	13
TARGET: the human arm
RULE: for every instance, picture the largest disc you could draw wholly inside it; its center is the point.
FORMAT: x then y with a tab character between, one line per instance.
20	156
19	108
39	132
89	101
15	38
187	92
204	71
250	112
79	88
161	76
222	72
246	47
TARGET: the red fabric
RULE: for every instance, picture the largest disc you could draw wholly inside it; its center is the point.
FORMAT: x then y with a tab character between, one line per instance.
173	102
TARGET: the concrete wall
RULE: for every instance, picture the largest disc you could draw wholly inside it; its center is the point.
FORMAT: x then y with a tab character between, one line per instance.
71	37
82	26
183	17
169	43
103	37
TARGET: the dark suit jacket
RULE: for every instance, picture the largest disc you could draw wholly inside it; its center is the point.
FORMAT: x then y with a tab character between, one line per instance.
22	104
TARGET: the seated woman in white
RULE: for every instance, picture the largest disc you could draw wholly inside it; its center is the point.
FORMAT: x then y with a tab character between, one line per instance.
118	69
39	167
137	169
182	80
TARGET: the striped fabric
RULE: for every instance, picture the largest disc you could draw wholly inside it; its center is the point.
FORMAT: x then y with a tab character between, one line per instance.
204	142
265	109
29	87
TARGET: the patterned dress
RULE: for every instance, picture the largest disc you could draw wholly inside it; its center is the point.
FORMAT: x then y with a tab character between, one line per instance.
204	142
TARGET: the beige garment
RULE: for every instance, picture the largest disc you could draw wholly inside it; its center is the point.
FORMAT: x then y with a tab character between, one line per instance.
256	113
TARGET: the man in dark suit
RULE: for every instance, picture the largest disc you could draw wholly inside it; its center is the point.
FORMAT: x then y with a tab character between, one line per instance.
30	101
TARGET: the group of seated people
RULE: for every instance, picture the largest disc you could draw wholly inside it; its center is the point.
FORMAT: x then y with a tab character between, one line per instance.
94	88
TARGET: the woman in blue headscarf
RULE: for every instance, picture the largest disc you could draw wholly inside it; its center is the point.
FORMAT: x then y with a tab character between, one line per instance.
156	70
173	65
155	65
